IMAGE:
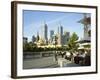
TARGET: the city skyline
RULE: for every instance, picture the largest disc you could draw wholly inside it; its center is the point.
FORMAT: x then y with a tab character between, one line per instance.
34	20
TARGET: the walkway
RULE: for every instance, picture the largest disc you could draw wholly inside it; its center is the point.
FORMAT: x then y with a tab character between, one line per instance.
47	62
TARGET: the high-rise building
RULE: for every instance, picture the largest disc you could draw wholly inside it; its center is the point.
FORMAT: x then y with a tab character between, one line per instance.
60	35
51	33
45	33
51	36
66	37
33	39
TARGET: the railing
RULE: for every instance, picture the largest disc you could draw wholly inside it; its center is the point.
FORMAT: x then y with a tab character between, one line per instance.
40	54
37	54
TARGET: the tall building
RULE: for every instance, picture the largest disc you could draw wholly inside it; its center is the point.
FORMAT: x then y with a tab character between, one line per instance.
66	37
33	39
45	33
51	33
60	35
51	36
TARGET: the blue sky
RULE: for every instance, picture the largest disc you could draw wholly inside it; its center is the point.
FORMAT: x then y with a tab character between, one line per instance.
34	20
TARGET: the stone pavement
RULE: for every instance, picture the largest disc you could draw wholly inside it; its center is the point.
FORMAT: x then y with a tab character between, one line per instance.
43	62
47	62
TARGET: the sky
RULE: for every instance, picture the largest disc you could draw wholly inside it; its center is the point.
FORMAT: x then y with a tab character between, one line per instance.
34	20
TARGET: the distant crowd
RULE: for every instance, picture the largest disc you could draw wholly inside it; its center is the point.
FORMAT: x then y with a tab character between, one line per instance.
82	57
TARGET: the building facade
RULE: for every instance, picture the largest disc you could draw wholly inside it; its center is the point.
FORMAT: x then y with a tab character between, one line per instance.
51	36
66	37
33	39
45	33
60	35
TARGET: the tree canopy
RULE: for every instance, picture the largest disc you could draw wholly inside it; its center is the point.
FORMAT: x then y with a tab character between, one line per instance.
72	45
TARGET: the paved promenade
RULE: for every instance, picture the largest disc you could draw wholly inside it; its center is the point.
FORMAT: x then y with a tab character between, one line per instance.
40	63
47	62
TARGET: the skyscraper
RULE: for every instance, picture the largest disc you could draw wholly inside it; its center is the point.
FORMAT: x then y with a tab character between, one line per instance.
51	36
45	33
66	37
33	39
60	35
51	33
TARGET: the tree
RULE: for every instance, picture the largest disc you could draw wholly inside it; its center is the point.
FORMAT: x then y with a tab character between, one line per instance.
28	46
72	45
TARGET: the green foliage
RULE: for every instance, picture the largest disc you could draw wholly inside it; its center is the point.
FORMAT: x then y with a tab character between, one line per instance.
72	45
30	47
73	38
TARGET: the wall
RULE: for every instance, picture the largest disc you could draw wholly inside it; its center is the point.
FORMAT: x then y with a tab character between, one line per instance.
5	41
